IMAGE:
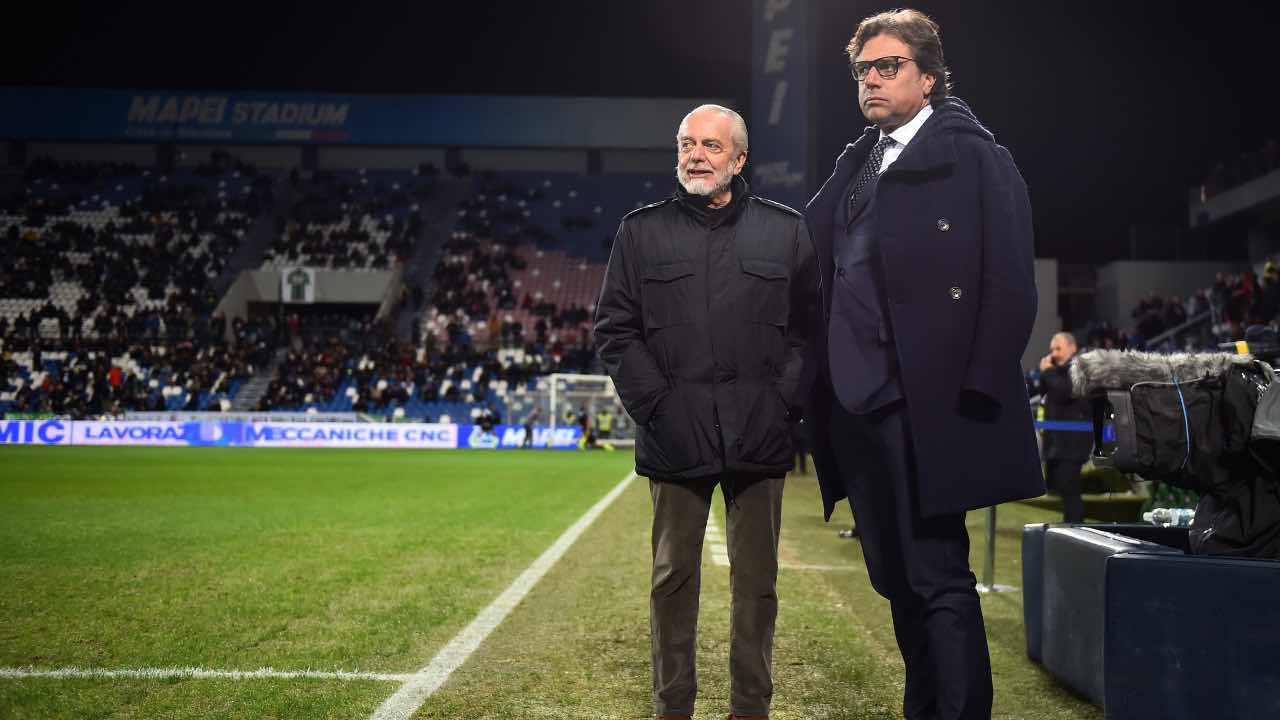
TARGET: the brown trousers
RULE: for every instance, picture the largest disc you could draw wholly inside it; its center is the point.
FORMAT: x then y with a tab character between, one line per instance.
753	513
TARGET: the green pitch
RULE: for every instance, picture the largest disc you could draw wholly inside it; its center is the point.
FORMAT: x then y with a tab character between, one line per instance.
371	561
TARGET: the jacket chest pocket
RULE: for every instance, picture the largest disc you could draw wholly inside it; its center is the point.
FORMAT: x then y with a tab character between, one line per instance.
765	289
668	295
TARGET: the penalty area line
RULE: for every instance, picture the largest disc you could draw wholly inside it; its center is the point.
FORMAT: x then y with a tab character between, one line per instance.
424	683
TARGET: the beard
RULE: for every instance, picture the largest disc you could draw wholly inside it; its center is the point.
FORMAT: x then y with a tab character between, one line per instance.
705	187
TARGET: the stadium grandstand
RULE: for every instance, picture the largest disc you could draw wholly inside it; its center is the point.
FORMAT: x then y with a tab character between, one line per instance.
458	292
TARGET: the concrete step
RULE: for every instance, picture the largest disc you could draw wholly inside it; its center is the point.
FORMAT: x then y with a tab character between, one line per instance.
247	399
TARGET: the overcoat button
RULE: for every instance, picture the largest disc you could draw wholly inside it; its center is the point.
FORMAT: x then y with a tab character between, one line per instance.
944	224
955	293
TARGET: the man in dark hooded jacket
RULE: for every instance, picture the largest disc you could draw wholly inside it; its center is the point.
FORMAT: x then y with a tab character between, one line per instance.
704	323
919	413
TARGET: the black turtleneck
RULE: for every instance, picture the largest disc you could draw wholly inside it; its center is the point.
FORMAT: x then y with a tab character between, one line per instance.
698	205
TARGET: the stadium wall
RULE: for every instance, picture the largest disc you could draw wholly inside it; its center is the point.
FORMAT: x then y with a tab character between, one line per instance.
572	161
142	154
641	161
332	286
1123	283
269	157
1048	321
185	156
373	158
273	157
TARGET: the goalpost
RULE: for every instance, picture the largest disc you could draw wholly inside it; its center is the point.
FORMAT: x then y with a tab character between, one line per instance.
595	393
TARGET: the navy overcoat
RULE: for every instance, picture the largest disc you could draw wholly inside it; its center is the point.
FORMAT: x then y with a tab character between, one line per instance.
955	238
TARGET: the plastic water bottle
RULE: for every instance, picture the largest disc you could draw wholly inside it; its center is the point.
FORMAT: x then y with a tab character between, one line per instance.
1170	517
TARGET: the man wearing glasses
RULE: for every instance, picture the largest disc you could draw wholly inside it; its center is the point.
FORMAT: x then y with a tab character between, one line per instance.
924	243
704	323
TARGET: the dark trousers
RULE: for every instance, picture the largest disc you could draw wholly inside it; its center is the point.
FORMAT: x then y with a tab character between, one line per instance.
753	517
1063	477
921	565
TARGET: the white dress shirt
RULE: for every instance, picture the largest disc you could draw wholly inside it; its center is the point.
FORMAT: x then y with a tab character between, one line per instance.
903	135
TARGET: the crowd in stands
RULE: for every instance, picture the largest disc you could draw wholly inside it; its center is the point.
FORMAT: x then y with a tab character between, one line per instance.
157	276
87	378
106	298
1237	301
340	363
223	184
525	262
107	303
1234	303
162	247
353	220
473	283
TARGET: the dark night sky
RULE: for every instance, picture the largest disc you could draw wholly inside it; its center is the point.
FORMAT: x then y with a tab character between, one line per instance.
1112	110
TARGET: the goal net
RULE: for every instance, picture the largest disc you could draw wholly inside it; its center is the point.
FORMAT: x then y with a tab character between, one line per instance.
568	396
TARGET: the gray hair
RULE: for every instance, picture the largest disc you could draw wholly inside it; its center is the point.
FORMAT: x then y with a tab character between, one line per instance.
739	126
1068	337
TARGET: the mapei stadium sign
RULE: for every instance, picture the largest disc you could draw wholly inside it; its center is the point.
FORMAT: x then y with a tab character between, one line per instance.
215	110
283	434
228	117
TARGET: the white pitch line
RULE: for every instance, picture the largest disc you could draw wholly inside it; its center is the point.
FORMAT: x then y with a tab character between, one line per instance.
719	549
720	552
195	673
424	683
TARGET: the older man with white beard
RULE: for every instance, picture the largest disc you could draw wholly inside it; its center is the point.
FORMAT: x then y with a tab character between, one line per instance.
703	323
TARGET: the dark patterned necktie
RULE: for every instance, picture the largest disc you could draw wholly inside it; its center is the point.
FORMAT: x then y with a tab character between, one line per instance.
870	169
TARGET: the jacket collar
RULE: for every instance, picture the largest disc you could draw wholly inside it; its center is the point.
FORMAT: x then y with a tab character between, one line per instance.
935	146
932	148
696	205
849	161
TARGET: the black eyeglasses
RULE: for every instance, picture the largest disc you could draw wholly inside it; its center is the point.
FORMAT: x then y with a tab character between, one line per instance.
887	66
